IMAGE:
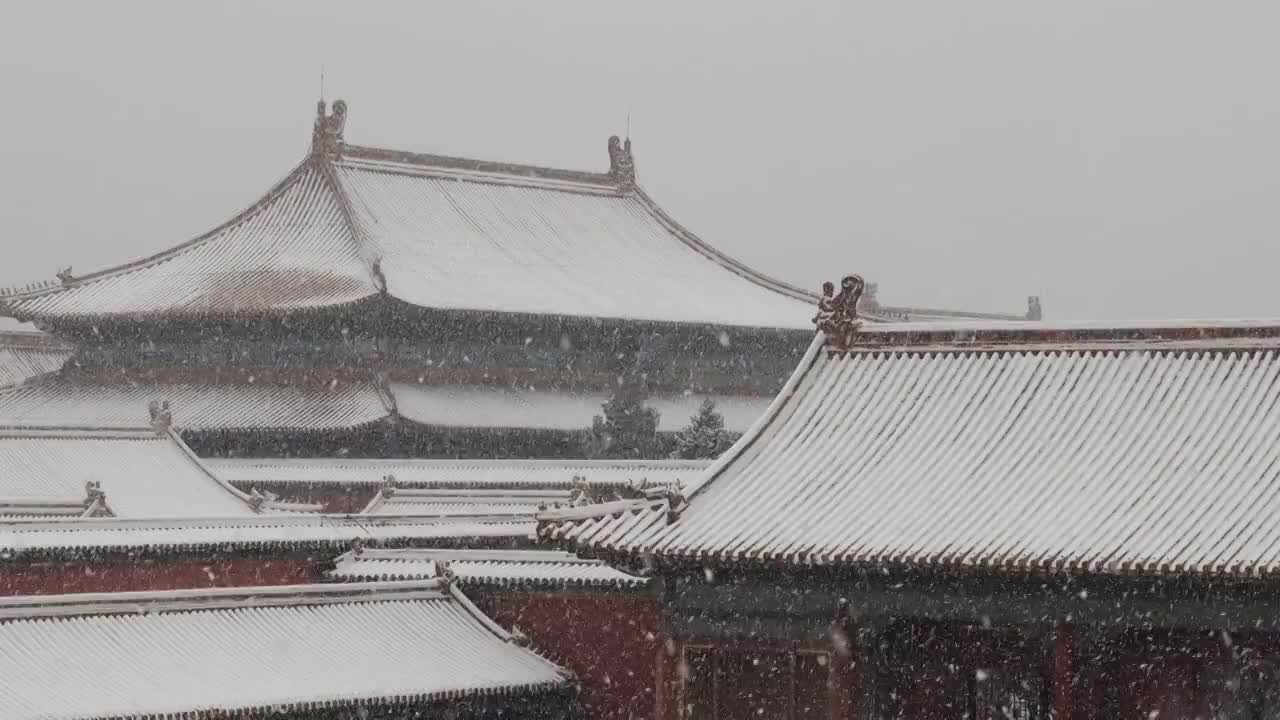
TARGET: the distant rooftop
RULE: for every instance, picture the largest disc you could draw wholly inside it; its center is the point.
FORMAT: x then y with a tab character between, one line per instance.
27	354
69	399
202	535
456	474
148	472
354	225
509	568
188	653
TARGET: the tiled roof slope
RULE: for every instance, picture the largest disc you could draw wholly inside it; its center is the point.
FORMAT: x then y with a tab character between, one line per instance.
478	474
190	653
139	473
1147	449
479	502
211	406
352	223
267	531
28	355
307	406
292	250
461	239
515	569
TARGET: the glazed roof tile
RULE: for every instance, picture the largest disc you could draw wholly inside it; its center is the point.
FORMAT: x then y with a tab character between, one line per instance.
25	356
496	568
436	232
183	653
1149	449
292	250
268	530
516	503
140	473
212	406
475	241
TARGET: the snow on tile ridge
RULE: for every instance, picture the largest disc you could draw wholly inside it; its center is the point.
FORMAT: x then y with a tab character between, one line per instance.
130	472
272	530
501	568
293	250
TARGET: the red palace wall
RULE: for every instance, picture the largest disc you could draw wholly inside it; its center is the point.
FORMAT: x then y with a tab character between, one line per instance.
610	641
55	577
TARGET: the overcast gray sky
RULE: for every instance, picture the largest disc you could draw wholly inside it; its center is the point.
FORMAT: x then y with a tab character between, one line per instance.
1118	158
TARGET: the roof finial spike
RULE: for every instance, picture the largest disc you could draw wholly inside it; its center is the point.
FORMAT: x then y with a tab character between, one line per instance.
322	81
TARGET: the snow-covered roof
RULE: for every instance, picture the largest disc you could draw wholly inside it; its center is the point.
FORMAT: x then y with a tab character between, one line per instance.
430	502
436	232
25	355
133	473
353	224
503	407
188	652
515	568
1151	449
72	400
68	401
460	474
268	530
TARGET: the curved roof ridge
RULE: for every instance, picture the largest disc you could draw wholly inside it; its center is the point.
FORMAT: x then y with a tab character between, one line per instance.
244	497
262	203
720	258
187	600
915	314
473	165
758	428
359	235
876	313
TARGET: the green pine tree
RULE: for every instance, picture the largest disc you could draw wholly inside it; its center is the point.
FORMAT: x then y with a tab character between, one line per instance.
704	437
628	428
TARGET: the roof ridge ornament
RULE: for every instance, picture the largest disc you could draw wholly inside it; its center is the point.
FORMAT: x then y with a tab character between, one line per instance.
622	164
1033	308
256	500
161	416
326	135
93	493
837	316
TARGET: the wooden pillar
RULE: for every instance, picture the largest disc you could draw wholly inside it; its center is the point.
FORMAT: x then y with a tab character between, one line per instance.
1064	672
666	659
